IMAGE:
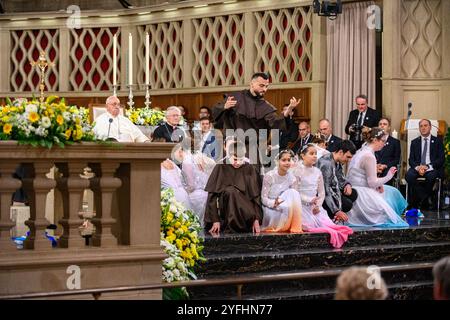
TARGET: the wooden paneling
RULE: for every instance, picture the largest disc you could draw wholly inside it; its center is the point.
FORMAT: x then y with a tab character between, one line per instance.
193	101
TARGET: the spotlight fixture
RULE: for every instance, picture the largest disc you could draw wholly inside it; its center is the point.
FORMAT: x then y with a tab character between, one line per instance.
327	8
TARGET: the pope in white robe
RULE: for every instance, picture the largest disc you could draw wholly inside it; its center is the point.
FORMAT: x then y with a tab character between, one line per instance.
112	124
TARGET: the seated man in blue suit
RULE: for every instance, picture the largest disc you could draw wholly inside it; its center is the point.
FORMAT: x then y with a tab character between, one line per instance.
389	156
208	144
426	159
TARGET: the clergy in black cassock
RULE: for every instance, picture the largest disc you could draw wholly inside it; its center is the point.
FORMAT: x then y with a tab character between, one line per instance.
234	196
249	110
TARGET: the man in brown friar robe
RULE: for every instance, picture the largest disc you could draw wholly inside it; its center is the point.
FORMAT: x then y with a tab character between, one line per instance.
248	110
234	195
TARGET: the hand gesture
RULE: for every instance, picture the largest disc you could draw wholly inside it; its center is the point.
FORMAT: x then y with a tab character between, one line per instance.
292	104
278	201
340	216
215	228
348	190
314	200
230	103
316	210
392	170
256	228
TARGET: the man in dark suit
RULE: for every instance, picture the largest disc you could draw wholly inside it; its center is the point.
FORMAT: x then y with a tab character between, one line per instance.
209	144
389	156
325	129
359	118
304	136
426	159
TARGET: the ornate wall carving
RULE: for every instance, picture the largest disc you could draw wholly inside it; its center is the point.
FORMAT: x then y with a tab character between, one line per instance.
91	57
218	50
25	47
166	59
283	44
421	23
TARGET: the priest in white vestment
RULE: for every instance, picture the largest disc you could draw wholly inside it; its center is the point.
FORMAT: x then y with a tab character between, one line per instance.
113	125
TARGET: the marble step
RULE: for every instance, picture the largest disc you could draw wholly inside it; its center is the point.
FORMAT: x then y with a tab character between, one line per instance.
404	291
415	290
254	261
318	282
244	243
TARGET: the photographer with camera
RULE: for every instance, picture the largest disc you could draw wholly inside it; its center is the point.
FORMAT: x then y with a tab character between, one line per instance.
359	118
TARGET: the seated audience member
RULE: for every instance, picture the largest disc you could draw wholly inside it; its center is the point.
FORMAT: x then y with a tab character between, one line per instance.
426	159
170	131
311	188
441	275
281	200
319	142
291	133
112	125
360	283
304	137
389	156
196	169
208	143
377	205
234	195
360	118
331	140
339	194
171	177
205	112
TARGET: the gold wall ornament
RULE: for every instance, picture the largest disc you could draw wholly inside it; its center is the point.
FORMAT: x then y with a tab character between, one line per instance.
42	64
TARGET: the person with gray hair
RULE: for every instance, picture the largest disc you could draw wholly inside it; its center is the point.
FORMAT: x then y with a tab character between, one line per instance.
111	125
441	275
170	130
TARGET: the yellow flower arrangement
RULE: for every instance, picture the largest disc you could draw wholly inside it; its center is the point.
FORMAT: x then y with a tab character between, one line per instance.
44	124
180	240
145	116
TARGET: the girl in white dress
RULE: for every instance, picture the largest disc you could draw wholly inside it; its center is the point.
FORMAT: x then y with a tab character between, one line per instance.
196	169
312	191
371	208
280	198
171	177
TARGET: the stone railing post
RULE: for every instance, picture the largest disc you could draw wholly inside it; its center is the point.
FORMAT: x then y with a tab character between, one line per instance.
72	187
8	184
104	184
37	186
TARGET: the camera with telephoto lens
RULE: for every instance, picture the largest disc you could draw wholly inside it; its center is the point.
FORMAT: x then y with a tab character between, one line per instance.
357	131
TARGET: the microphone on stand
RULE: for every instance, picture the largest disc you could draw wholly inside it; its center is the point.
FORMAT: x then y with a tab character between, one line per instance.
109	127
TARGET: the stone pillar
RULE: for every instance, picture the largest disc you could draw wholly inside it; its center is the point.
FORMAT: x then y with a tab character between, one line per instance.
104	184
416	59
37	186
319	70
72	188
8	184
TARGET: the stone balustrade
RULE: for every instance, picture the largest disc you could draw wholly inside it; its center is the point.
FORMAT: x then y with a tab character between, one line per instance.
125	247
